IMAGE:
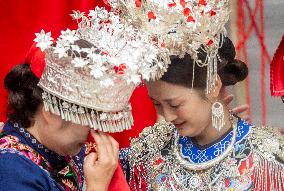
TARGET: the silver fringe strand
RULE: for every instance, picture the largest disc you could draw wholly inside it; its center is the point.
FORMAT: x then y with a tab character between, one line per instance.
98	120
269	175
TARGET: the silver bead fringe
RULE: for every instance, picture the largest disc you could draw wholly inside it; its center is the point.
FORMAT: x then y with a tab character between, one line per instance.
98	120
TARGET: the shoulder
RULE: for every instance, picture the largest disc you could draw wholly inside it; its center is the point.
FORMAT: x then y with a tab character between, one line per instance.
19	172
150	141
269	142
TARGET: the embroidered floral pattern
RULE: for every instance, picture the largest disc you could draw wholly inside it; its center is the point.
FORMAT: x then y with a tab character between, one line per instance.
69	177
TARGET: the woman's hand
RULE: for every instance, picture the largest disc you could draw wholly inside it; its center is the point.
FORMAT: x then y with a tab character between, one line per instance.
239	109
100	166
1	126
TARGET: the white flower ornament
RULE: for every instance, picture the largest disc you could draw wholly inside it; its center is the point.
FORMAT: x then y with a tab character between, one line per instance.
43	40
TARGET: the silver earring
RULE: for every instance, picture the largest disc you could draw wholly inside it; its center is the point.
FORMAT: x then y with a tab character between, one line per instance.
218	116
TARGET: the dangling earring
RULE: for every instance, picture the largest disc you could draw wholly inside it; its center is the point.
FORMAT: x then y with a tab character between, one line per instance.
217	116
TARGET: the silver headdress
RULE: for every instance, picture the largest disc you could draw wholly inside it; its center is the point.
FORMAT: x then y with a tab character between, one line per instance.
182	26
91	84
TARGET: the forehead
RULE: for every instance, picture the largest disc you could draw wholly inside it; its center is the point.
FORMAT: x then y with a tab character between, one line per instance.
160	90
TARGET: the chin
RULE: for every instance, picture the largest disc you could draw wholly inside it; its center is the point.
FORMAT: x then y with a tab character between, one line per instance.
74	151
186	132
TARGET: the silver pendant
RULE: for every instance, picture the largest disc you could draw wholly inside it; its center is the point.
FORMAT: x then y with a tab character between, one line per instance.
195	182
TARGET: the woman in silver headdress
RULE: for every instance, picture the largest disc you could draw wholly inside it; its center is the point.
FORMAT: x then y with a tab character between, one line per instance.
84	82
202	145
41	151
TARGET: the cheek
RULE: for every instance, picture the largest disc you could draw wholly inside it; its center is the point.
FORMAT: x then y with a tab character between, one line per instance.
184	113
75	138
78	132
195	112
73	134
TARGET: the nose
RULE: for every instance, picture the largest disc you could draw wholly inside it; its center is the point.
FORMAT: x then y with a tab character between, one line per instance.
168	114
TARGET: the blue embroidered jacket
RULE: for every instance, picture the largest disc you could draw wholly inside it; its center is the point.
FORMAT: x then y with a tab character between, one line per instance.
27	165
160	159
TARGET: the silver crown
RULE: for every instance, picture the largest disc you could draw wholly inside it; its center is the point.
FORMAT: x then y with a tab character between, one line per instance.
181	26
90	83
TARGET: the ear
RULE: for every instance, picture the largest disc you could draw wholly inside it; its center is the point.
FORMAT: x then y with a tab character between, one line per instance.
215	92
50	119
46	116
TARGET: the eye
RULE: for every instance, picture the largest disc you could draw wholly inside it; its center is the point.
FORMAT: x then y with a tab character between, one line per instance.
175	106
156	104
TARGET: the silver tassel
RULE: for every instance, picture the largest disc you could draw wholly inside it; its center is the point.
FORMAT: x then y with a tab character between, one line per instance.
55	105
265	169
114	122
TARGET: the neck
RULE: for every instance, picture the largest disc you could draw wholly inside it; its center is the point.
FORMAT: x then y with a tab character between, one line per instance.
211	134
34	129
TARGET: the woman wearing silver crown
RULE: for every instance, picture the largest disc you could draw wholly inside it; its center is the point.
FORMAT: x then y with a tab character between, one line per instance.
202	145
82	81
63	92
41	151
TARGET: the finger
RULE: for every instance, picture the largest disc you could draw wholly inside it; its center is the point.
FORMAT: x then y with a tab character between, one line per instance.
90	160
111	158
115	150
246	118
228	99
101	149
107	143
1	126
240	109
115	146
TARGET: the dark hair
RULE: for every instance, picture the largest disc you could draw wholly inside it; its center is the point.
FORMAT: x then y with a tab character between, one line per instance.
230	70
24	96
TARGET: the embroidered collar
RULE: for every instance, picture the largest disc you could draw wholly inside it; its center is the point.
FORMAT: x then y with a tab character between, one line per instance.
66	172
195	154
57	162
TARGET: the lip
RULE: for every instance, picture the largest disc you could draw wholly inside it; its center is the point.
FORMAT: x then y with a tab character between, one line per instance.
179	125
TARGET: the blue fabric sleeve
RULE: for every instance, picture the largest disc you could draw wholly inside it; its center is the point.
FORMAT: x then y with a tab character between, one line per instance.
19	173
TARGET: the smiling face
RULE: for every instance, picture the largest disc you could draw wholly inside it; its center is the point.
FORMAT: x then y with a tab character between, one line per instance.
186	108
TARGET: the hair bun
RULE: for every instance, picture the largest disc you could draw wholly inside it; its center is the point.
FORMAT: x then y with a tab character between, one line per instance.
233	72
24	96
13	79
17	78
